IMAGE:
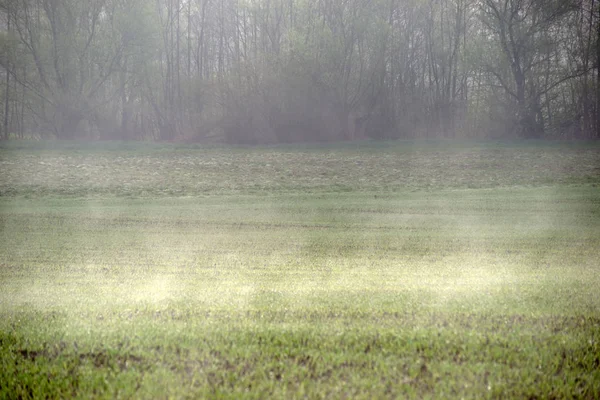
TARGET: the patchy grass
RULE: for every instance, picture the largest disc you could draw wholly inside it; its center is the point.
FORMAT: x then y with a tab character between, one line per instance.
467	272
168	170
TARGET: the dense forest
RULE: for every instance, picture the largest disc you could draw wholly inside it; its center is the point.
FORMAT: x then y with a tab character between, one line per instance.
272	71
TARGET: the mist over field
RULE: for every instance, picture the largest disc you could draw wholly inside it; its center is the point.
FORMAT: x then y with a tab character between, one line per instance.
364	270
300	199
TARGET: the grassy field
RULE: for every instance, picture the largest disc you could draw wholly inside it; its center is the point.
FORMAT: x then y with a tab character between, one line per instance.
409	269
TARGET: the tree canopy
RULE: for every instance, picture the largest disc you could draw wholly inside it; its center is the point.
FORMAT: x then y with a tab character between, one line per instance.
271	71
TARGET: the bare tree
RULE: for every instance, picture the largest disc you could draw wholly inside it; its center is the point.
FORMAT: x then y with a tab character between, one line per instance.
284	70
518	26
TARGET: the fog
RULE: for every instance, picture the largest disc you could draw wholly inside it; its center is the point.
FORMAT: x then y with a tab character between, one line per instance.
290	198
258	72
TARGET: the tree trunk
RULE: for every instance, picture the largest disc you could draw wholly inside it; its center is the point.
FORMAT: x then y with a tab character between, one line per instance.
6	102
598	77
7	93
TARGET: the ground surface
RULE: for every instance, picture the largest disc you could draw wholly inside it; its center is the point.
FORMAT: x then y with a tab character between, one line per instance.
444	270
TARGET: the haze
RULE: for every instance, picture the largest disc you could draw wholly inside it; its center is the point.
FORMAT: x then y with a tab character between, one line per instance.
249	71
252	199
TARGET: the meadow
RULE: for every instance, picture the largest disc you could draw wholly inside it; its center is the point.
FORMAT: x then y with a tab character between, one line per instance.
361	270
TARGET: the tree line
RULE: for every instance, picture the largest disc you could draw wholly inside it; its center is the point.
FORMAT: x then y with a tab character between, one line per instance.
271	71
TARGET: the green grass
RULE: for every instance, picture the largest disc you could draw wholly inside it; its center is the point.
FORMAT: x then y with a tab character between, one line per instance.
359	271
